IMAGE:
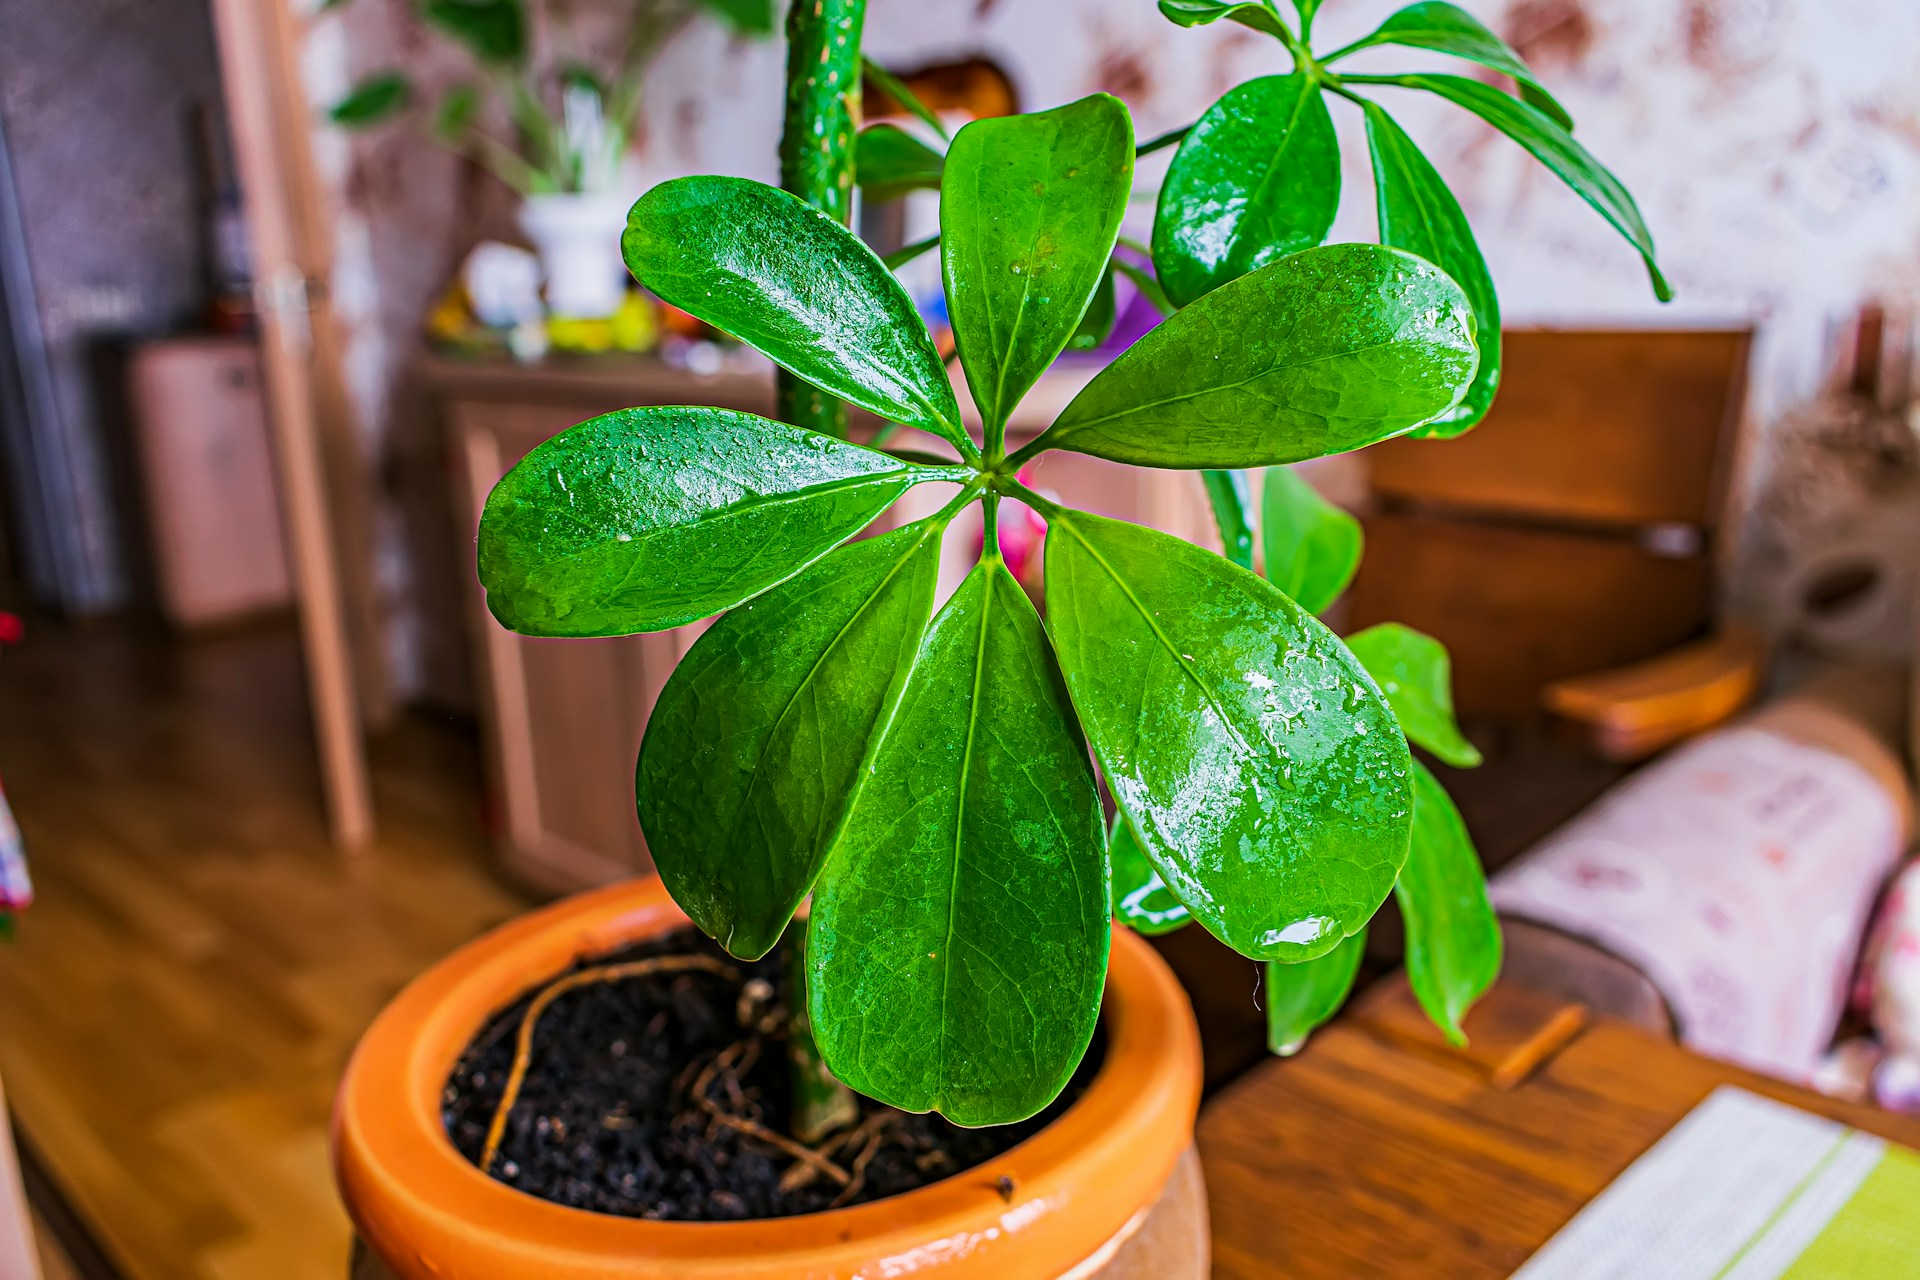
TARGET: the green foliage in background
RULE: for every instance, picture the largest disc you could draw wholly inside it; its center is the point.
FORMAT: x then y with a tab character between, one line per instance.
570	124
930	776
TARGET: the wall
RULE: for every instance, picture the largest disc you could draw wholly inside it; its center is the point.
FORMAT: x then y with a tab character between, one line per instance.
1774	146
95	98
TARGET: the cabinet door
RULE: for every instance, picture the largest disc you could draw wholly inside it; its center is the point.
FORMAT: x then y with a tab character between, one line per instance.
563	718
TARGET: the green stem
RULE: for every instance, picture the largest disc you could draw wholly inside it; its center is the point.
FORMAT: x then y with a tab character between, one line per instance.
908	252
816	153
1228	493
821	1104
816	164
990	532
1171	137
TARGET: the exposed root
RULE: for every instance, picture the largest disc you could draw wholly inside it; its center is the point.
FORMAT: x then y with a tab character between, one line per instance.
731	1060
523	1049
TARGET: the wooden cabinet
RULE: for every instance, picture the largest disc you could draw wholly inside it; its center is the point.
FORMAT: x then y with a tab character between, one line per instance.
563	718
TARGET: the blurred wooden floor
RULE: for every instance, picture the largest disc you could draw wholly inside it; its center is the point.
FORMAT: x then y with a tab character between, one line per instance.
182	996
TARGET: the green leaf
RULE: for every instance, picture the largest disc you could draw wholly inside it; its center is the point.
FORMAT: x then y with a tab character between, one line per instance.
1261	769
1140	897
897	89
755	17
1447	28
1324	351
648	518
1258	178
1302	997
1416	674
788	280
457	109
889	162
1232	514
1312	547
1555	148
755	744
1419	214
958	942
494	30
379	97
1096	326
1453	936
1030	209
1198	13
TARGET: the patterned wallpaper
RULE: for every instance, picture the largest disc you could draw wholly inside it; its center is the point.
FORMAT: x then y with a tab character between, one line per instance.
1774	146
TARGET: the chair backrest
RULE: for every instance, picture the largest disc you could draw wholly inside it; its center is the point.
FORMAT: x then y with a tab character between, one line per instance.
1574	529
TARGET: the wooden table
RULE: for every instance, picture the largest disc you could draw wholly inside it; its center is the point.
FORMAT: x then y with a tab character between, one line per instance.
1381	1151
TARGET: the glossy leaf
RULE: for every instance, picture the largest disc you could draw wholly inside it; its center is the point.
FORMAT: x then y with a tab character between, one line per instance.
890	162
378	98
1322	352
1197	13
1141	898
1258	178
958	942
755	17
1447	28
1030	208
1415	672
1312	547
1453	936
1418	213
791	282
647	518
1302	997
1555	148
1261	769
755	743
493	30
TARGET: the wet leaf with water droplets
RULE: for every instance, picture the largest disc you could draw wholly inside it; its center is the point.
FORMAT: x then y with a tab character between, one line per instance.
958	941
1453	936
1253	756
756	742
1258	178
1141	898
1417	212
1029	210
644	519
789	281
1324	351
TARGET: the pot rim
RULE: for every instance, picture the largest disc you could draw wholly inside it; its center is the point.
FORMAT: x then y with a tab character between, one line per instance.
432	1215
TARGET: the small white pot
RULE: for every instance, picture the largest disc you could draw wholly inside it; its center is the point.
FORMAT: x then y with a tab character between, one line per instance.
578	240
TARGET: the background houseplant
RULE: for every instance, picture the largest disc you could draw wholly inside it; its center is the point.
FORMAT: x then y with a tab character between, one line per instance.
571	121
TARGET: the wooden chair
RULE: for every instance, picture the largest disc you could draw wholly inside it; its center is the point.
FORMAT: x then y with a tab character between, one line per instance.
1566	550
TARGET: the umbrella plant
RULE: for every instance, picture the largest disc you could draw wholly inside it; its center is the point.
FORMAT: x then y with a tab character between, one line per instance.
929	774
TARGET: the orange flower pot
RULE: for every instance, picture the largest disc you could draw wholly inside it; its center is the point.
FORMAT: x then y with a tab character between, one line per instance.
1109	1189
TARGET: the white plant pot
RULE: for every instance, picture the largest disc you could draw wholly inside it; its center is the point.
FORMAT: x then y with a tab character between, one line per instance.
578	240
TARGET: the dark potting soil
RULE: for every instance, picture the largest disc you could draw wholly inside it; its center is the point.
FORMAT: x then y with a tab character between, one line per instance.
665	1096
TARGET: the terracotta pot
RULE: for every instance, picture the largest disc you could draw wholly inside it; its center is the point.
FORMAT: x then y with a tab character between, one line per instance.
1111	1188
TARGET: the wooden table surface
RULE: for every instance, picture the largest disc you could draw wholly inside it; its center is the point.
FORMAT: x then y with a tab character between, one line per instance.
1381	1151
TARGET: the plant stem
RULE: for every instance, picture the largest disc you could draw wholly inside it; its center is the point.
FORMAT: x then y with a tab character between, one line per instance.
1227	492
816	164
816	153
1171	137
908	252
821	1104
